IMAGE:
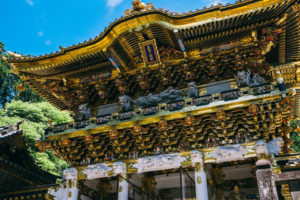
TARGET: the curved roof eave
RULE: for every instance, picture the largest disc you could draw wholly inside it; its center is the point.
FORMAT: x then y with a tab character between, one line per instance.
124	24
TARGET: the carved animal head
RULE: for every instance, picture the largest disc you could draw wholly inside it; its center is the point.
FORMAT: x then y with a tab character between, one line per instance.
275	145
70	174
124	100
196	156
119	168
83	107
137	5
192	85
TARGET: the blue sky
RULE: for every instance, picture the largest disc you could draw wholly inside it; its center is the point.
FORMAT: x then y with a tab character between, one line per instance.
40	26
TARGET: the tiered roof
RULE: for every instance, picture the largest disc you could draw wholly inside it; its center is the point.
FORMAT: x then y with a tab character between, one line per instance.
17	169
199	31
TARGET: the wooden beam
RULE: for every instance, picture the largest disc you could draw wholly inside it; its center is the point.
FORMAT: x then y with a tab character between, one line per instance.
287	176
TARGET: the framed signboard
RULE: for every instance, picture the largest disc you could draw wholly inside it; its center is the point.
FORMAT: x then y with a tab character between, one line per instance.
149	52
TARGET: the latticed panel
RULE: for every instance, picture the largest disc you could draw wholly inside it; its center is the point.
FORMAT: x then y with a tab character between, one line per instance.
287	71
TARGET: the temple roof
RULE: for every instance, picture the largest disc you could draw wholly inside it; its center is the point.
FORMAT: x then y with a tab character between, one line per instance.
117	50
17	169
189	25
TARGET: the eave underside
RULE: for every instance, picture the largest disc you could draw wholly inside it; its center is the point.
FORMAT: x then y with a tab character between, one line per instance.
214	29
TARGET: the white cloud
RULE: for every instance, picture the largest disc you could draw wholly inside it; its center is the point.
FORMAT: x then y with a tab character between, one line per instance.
113	3
29	2
48	42
40	33
216	2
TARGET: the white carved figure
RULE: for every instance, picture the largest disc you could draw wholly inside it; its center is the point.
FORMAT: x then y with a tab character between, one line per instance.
229	153
159	162
97	171
196	156
70	174
119	168
274	146
68	190
60	194
261	148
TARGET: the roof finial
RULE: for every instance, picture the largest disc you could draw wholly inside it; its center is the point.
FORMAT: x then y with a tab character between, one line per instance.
138	6
16	55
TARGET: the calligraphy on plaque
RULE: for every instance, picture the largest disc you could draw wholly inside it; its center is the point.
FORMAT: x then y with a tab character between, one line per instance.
149	52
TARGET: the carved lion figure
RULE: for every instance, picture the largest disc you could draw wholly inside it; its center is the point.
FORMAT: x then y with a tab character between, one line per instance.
196	156
119	168
261	148
125	103
97	171
257	80
192	90
84	112
242	78
274	146
70	174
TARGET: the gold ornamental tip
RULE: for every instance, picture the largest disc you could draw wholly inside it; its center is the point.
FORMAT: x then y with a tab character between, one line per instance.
16	55
138	6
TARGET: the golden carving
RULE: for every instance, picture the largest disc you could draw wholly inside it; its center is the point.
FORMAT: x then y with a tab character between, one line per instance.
129	24
199	180
285	192
198	167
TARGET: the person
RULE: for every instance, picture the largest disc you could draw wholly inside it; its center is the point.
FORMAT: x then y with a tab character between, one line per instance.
237	194
280	82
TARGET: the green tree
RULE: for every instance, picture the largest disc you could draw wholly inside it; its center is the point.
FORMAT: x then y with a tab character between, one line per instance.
9	82
295	135
296	142
35	117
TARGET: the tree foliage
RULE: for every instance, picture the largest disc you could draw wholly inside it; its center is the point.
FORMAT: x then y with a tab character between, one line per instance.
9	82
30	108
295	135
35	117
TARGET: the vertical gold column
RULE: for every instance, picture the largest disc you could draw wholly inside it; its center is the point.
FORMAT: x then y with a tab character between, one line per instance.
297	103
281	43
285	192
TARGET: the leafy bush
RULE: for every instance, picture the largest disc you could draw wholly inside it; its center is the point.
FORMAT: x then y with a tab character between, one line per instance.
35	117
295	134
